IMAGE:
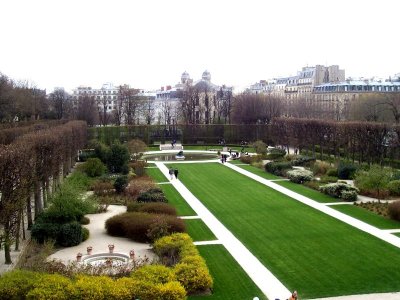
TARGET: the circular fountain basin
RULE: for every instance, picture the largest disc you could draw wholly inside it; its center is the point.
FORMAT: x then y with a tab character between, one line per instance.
104	258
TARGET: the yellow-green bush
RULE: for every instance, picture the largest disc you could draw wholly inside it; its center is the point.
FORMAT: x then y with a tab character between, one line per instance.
193	277
190	268
172	291
16	284
93	287
154	274
51	287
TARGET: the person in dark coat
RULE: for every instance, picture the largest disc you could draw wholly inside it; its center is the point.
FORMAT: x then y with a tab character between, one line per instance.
176	173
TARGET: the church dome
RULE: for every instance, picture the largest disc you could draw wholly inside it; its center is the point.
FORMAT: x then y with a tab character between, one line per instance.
185	77
206	76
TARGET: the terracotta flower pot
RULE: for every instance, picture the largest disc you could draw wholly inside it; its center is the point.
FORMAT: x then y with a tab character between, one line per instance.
79	257
132	254
89	250
111	248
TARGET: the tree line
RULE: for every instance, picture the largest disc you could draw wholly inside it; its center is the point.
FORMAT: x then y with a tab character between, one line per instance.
31	168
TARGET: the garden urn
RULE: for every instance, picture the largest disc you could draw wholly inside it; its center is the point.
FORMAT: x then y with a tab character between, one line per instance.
89	250
79	257
111	248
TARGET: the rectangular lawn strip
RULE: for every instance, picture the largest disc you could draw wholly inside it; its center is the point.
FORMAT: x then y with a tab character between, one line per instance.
198	230
230	281
156	174
397	234
307	250
308	192
176	200
260	172
367	216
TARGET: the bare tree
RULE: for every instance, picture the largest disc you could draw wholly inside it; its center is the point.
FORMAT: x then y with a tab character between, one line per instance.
60	102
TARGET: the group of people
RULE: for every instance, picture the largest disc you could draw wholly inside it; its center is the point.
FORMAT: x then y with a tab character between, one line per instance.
173	173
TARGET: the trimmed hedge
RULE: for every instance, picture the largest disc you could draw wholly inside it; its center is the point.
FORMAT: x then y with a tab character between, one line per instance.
278	168
33	285
189	267
137	225
152	208
70	234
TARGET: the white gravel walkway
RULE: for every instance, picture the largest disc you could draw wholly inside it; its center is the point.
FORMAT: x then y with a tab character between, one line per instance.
261	276
99	239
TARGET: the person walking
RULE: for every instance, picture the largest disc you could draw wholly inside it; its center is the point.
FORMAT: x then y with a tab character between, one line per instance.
171	173
176	173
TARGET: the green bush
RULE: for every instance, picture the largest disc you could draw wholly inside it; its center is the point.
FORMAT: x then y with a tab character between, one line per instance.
70	234
260	147
328	179
320	168
121	182
136	225
302	160
374	182
85	234
16	284
152	195
394	210
299	176
42	232
118	158
394	187
93	167
336	190
275	153
84	220
152	208
332	172
278	168
86	154
346	170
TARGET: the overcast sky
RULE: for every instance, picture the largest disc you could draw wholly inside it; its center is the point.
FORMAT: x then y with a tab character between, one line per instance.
149	43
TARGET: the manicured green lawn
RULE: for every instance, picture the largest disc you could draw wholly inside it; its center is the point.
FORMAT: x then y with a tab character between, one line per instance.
306	249
156	174
230	281
260	172
198	230
367	216
397	234
308	192
176	200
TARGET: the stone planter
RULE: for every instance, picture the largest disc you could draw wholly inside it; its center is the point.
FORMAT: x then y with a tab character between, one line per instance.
79	257
89	250
111	248
132	254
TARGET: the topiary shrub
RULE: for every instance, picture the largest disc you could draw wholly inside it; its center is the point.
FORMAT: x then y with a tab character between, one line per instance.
70	234
336	190
299	176
394	210
278	168
152	195
394	187
118	158
16	284
93	167
260	147
346	170
85	234
84	220
136	225
121	182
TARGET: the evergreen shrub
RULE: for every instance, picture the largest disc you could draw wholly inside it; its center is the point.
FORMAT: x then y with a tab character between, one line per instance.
70	234
278	168
121	182
152	195
394	187
336	190
346	170
93	167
